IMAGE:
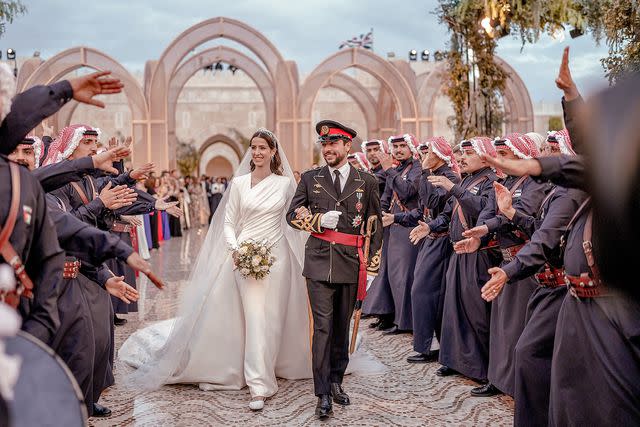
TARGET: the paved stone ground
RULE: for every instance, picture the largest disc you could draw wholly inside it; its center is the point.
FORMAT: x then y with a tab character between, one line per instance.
406	395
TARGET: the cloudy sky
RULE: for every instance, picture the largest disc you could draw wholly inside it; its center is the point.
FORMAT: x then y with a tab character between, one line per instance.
133	31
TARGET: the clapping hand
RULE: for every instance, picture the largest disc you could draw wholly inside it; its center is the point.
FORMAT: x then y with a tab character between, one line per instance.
419	232
504	200
441	181
104	161
477	232
142	172
467	246
117	287
117	197
493	287
387	219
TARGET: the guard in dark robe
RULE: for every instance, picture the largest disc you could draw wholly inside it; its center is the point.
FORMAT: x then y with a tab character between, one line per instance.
401	196
427	291
509	309
339	200
464	345
379	300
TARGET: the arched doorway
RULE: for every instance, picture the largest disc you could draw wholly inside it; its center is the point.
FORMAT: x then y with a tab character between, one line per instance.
363	98
219	156
210	56
75	58
388	76
164	71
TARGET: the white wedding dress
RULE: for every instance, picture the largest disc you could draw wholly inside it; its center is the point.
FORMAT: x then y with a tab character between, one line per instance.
231	331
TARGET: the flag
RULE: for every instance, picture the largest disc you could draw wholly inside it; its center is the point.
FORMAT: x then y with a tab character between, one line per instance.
364	41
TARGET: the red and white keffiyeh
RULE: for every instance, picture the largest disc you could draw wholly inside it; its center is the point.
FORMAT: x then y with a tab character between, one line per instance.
563	140
384	145
521	145
443	150
411	141
67	141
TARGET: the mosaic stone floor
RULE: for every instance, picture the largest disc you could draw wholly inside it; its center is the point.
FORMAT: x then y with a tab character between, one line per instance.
406	395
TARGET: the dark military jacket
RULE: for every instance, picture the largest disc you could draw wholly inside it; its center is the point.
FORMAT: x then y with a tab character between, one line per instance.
326	261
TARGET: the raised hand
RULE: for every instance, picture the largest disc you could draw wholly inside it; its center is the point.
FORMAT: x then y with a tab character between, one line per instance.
514	167
117	197
386	161
104	161
564	81
86	87
117	287
504	200
142	172
441	181
113	142
493	287
467	246
419	232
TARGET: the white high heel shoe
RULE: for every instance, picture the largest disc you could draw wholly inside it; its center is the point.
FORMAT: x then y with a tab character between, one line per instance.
257	403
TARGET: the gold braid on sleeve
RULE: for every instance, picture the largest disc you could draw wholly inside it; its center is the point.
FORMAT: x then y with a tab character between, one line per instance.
310	223
374	263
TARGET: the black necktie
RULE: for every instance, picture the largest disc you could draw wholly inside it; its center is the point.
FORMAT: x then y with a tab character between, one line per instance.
336	182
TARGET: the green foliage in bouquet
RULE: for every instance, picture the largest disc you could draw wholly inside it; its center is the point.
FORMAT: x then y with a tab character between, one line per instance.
187	158
253	259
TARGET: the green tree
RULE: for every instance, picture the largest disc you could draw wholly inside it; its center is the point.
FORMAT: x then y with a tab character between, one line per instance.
187	157
9	10
555	123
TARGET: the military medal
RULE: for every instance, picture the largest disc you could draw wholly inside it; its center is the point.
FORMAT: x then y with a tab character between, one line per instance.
357	220
359	204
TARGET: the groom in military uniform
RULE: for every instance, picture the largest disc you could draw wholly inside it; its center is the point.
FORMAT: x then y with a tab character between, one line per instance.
334	204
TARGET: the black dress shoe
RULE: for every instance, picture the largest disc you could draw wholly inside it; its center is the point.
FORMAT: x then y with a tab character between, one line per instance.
118	321
432	356
486	390
394	331
445	371
375	324
101	411
385	324
324	408
338	394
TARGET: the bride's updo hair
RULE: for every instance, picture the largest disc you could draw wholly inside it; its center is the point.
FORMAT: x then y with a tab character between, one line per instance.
272	142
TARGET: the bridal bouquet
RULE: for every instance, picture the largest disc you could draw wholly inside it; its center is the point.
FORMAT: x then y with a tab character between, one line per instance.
254	259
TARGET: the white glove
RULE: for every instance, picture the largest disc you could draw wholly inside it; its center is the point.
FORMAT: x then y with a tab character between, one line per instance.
330	219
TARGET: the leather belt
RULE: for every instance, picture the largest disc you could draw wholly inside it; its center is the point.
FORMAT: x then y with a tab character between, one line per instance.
493	243
584	286
508	254
551	277
71	268
120	227
434	236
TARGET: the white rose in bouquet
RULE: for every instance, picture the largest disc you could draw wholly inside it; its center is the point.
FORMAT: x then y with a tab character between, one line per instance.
263	250
256	260
244	271
242	250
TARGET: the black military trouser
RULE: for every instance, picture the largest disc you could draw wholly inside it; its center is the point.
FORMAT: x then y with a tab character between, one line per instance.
332	306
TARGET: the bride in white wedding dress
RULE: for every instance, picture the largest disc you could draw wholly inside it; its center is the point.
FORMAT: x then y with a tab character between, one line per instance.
233	331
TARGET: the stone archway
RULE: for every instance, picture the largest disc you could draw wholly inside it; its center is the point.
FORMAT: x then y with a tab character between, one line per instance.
72	59
382	70
517	102
362	97
209	56
279	71
219	146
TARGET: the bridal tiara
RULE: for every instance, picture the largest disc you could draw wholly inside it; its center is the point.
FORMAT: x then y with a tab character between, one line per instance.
270	134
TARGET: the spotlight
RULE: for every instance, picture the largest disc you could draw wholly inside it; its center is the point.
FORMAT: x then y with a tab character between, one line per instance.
425	55
413	55
438	56
11	54
576	32
233	69
391	55
486	24
208	68
36	54
493	27
219	66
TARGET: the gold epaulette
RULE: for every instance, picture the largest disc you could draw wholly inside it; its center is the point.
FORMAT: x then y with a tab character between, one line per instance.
374	263
310	223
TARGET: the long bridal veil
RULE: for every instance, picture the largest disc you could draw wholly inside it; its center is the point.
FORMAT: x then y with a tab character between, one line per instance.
174	354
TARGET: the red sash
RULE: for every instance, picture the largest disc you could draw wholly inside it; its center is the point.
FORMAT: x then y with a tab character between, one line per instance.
353	240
